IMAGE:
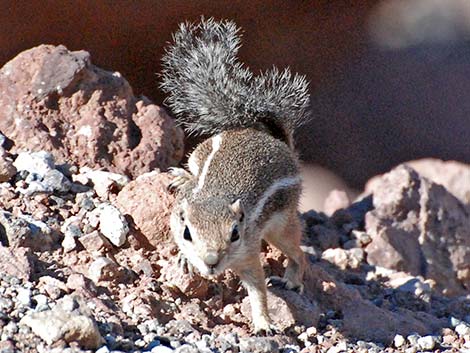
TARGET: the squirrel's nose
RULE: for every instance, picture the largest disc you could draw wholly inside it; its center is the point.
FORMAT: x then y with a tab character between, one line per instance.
211	259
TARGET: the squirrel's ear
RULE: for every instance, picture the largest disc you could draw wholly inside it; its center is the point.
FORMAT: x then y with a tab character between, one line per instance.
237	208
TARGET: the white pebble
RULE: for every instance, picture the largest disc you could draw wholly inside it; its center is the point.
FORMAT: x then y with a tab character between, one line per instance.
103	349
427	342
113	225
24	296
161	349
35	162
398	341
462	329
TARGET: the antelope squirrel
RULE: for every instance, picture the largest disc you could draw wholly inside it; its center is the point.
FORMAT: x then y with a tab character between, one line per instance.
243	183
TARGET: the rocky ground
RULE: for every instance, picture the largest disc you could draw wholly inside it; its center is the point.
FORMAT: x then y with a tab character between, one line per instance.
86	262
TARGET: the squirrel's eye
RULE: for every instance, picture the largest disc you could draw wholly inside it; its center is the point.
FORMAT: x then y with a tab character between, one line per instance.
235	234
187	234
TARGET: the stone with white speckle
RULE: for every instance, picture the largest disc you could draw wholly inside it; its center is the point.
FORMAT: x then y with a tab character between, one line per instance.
113	225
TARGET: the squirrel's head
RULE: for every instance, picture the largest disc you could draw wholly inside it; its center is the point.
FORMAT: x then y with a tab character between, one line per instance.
210	233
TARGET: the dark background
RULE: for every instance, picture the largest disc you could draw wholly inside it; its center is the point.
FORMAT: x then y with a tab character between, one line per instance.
372	107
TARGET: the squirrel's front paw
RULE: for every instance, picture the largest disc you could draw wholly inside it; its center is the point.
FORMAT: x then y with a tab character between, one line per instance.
184	264
181	177
264	327
285	283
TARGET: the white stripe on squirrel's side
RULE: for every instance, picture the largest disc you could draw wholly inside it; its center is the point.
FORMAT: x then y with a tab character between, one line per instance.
216	142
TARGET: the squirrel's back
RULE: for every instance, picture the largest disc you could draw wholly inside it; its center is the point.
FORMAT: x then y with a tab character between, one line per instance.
249	165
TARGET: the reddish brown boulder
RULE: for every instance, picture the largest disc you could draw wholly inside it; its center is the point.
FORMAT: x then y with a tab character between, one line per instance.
16	262
287	309
147	201
361	319
57	100
419	227
453	175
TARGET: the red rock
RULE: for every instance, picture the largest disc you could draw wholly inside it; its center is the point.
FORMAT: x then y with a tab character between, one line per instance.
58	101
361	319
80	283
103	269
52	286
16	262
453	175
147	201
287	309
94	242
419	227
193	286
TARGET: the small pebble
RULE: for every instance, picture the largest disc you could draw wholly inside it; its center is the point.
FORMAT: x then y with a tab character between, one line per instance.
462	329
427	342
161	349
413	339
103	349
398	341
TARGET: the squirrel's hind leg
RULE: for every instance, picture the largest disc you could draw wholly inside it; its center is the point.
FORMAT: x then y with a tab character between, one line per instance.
287	239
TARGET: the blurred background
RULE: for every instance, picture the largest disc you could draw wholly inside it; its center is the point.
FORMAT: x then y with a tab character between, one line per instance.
390	79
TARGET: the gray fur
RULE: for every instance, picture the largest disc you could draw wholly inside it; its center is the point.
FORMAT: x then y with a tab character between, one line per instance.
210	91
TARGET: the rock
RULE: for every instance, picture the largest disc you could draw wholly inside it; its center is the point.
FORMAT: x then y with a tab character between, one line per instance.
19	232
113	225
80	283
410	284
427	343
69	243
351	258
57	181
66	321
420	228
94	242
258	345
16	262
340	347
338	257
161	349
194	286
325	237
103	269
382	325
399	341
147	201
452	175
57	101
287	309
462	329
336	199
52	286
24	296
352	216
103	182
7	169
39	163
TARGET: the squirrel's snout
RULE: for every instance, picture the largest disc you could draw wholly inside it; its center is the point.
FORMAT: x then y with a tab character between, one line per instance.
211	259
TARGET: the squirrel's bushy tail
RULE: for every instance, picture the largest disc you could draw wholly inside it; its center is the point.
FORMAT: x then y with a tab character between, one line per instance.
210	91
